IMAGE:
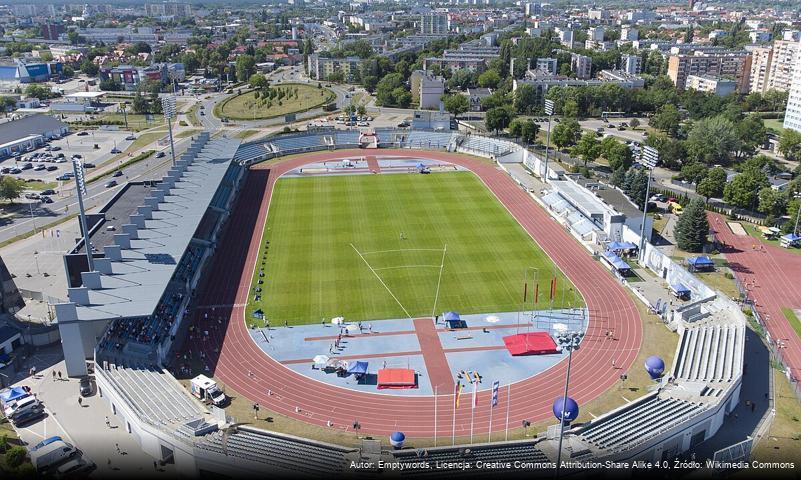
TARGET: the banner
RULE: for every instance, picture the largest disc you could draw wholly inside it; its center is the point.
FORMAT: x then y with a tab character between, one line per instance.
495	386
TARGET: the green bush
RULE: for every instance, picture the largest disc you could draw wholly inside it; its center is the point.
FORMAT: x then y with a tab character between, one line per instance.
15	456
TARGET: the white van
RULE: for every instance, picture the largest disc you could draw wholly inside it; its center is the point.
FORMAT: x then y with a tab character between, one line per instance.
21	405
52	454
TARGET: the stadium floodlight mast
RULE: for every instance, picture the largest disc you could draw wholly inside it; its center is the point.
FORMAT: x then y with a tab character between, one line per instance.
80	186
549	106
568	341
168	106
649	157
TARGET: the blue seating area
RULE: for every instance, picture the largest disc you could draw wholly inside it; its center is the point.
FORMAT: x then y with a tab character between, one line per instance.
486	145
509	452
346	138
251	151
418	139
221	196
301	143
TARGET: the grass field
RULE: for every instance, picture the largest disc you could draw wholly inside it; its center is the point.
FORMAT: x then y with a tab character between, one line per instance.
791	317
247	107
335	250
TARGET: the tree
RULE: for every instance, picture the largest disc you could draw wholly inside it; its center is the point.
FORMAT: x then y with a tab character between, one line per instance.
258	81
712	184
618	177
498	118
587	148
772	202
110	86
38	91
489	79
11	188
751	133
635	184
456	103
461	79
244	66
403	98
15	456
386	87
525	99
792	212
524	129
570	109
712	140
89	68
667	118
634	123
743	189
694	172
74	37
139	104
616	153
790	143
566	133
693	227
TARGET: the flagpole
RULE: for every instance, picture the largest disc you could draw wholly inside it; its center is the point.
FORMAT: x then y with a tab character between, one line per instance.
473	411
435	415
489	431
455	393
508	403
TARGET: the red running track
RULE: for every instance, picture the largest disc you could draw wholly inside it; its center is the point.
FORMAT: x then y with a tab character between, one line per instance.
771	276
242	365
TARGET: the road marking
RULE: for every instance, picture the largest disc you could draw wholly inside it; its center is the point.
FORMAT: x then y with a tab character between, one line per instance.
439	280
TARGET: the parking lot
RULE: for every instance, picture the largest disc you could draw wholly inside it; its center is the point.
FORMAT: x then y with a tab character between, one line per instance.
45	166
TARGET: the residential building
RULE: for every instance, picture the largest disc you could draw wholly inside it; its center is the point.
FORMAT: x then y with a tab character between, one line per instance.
631	64
320	68
565	37
542	82
581	66
620	77
183	10
433	24
629	34
596	34
736	65
783	65
761	59
534	32
792	116
760	36
547	65
51	31
473	58
598	14
533	9
707	83
427	89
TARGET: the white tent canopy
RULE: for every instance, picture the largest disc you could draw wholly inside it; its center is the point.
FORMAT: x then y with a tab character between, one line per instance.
338	320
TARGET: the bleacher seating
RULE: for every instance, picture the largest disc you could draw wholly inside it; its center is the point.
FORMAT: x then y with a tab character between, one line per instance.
300	142
506	452
710	353
286	453
346	138
153	394
486	145
251	151
638	422
422	139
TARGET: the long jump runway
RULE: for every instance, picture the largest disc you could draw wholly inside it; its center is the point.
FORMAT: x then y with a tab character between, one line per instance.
240	364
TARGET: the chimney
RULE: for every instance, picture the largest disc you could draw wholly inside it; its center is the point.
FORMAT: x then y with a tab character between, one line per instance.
152	202
145	211
78	295
123	240
103	265
131	230
138	220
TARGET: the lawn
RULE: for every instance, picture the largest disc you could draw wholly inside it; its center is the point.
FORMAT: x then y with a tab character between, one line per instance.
791	317
136	121
775	124
247	107
335	250
751	229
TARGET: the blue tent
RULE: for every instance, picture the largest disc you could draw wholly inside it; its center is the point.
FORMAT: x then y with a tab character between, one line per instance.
680	290
616	261
12	394
358	368
701	262
453	320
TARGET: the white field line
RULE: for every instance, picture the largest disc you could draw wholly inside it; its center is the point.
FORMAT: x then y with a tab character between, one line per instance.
404	250
439	280
408	266
379	279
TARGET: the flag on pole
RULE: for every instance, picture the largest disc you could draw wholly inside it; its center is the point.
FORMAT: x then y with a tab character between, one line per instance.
475	394
495	386
458	393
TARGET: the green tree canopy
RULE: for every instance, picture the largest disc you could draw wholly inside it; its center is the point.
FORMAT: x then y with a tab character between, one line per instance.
456	103
667	118
616	153
525	129
712	184
498	118
489	79
587	148
693	227
566	133
11	188
712	140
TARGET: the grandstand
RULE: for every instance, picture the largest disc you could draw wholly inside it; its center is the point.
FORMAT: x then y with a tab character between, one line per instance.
684	408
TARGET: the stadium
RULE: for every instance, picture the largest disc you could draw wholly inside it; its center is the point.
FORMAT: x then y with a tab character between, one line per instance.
396	285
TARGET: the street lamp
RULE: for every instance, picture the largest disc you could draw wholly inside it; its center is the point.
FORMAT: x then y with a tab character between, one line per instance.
80	186
168	106
649	157
549	105
568	341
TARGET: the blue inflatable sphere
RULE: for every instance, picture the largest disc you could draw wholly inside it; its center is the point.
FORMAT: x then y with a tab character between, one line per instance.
655	366
396	439
570	407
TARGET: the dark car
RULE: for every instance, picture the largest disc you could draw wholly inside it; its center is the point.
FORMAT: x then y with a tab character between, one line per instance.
51	168
160	155
45	199
111	183
49	191
63	178
89	165
118	173
116	150
15	171
55	148
82	133
5	170
131	137
27	166
77	155
87	386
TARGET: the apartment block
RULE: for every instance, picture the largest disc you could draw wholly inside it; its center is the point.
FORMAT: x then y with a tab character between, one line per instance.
433	24
735	65
783	65
320	68
581	66
631	64
707	83
427	89
792	117
761	59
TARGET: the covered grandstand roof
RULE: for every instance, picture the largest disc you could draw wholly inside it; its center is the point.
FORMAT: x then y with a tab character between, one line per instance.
141	278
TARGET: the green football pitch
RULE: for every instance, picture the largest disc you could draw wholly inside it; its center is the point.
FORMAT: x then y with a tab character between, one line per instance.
372	247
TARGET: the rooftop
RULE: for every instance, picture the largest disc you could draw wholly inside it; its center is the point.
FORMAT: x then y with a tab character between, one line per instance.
27	126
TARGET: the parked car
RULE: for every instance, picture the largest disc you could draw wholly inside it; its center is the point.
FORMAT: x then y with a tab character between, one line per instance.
27	166
15	171
32	196
82	133
46	199
160	155
49	191
87	386
89	165
116	150
39	168
5	170
118	173
51	168
77	155
63	177
55	148
111	183
131	137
